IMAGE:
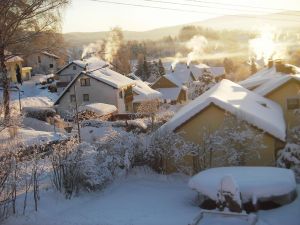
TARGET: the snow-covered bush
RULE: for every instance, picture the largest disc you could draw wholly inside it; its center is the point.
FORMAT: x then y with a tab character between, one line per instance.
229	195
40	113
168	149
289	157
79	166
120	149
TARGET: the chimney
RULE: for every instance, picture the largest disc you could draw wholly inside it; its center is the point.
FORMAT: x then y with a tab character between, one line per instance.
187	65
284	68
270	63
172	69
85	67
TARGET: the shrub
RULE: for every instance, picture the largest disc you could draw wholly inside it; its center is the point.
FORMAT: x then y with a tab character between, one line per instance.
40	113
289	157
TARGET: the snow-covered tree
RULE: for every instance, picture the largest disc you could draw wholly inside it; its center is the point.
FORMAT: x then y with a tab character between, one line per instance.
289	157
198	87
151	108
235	142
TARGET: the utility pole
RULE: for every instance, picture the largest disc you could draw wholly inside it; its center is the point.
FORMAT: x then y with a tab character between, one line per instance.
76	111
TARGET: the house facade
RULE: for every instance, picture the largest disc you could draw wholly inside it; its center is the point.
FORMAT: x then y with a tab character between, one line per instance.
208	113
105	86
42	63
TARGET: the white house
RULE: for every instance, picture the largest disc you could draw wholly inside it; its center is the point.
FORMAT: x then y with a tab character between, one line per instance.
97	86
42	62
68	72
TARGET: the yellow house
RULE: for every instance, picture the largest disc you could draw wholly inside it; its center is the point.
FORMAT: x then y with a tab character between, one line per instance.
208	112
285	90
178	79
281	83
171	92
11	65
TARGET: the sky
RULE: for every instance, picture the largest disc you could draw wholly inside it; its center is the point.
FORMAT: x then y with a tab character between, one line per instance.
94	15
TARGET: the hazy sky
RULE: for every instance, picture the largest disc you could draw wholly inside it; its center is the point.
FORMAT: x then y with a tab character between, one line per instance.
91	16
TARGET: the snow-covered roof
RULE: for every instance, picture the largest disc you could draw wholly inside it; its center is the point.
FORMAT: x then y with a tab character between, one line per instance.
274	83
170	93
181	75
144	92
99	108
110	77
50	55
11	59
247	105
91	63
263	76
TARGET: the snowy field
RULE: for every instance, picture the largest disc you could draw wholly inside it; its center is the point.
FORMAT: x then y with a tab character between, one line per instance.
141	198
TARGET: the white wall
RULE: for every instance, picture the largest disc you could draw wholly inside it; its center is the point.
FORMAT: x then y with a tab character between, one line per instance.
44	66
67	74
98	93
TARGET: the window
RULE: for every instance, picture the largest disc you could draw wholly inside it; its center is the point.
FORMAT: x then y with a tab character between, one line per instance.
121	94
85	81
86	97
39	59
51	65
293	103
74	67
72	98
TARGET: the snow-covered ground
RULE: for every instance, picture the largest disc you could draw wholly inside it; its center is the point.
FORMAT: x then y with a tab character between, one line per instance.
142	197
32	94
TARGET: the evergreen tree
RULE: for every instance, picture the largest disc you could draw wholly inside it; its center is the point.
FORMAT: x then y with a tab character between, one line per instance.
161	68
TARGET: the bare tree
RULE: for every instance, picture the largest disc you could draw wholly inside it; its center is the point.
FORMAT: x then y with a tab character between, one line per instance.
150	108
21	22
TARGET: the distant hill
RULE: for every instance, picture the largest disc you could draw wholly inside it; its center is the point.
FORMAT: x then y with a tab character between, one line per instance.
282	20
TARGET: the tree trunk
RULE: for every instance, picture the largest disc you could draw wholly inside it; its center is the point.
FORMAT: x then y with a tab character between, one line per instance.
6	82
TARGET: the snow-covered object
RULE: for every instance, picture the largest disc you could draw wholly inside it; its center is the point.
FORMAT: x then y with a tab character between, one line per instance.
144	92
274	83
110	77
170	93
253	182
246	105
229	193
14	59
99	108
289	157
183	74
262	76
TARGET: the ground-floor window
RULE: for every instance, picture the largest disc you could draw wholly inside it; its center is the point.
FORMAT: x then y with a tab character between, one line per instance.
86	97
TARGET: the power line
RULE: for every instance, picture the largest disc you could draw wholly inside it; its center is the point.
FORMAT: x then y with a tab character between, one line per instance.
239	5
185	10
222	7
